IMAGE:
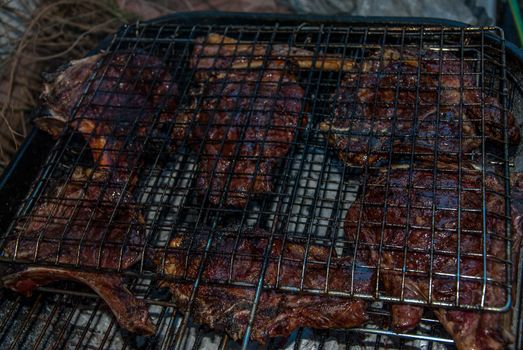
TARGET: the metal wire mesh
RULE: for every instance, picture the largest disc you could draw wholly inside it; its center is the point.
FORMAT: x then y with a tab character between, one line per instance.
169	172
57	321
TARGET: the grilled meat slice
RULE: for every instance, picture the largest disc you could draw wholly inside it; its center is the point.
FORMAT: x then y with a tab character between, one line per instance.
397	213
94	227
388	103
74	225
108	96
227	308
130	312
245	121
92	220
245	127
112	88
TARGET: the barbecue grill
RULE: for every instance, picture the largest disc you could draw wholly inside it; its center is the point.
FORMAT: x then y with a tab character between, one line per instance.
312	192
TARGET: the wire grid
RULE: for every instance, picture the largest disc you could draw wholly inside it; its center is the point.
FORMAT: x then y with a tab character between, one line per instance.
312	188
58	321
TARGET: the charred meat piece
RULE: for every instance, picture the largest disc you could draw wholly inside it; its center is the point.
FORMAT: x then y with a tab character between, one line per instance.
245	126
245	122
115	95
278	313
130	312
73	225
396	235
91	220
90	227
389	103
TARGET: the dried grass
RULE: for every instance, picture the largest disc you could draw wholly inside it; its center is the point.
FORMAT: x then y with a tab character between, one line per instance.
55	33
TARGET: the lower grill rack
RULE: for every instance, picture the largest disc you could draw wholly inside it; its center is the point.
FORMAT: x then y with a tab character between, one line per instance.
64	321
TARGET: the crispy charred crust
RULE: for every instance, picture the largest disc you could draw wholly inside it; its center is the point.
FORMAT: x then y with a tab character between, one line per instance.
471	330
227	308
130	312
382	106
245	120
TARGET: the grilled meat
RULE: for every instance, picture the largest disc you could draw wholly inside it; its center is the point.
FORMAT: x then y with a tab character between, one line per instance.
91	220
388	103
433	258
227	308
245	121
92	227
130	312
126	92
72	223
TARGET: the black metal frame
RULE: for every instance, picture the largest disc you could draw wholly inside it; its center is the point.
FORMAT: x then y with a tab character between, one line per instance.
21	162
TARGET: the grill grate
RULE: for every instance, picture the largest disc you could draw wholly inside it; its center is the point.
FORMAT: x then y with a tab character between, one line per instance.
58	321
312	188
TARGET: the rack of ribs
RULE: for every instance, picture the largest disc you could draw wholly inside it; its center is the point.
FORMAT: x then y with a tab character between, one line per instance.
239	259
107	97
402	102
435	265
91	220
87	227
246	112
